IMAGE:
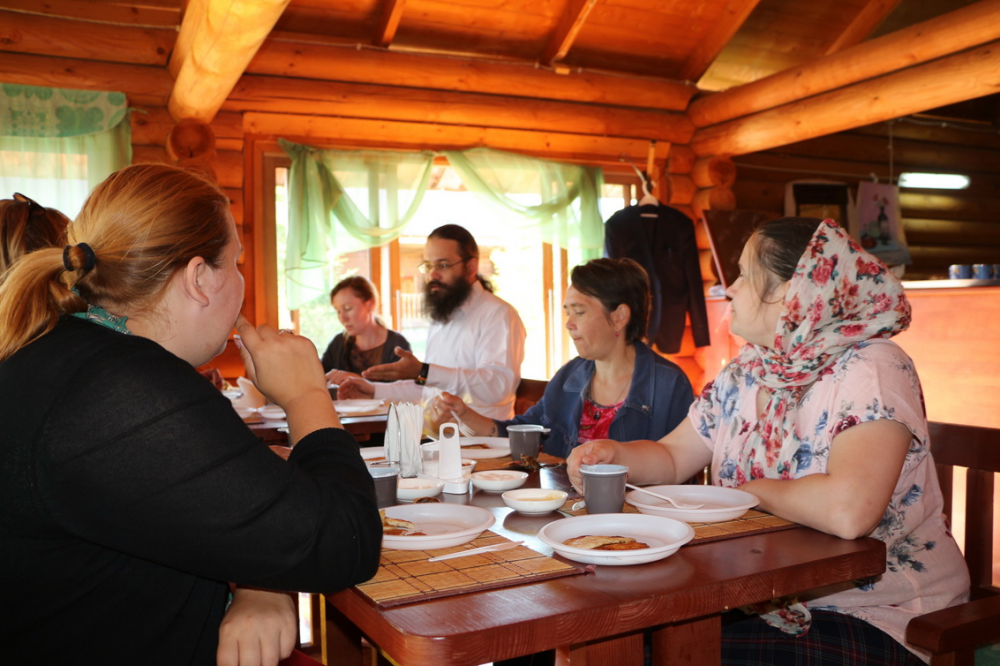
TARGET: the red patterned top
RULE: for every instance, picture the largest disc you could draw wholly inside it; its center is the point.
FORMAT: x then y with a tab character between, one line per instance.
595	421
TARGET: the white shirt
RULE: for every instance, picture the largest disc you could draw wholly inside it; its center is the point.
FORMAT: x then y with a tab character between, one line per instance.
476	355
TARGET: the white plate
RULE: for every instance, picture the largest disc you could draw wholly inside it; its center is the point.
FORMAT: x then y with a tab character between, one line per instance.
272	413
499	447
445	525
356	406
663	535
415	488
498	480
373	453
720	503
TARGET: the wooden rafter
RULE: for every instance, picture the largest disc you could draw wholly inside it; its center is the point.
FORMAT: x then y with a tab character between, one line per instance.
869	18
711	45
566	30
218	38
389	22
961	29
952	79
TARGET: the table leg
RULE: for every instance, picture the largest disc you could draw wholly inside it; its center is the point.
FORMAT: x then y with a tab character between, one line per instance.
618	651
343	638
697	642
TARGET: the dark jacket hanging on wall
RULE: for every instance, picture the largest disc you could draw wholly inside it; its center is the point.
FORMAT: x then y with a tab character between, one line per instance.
661	239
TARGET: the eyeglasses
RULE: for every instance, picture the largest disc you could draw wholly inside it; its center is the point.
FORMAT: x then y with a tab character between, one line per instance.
426	267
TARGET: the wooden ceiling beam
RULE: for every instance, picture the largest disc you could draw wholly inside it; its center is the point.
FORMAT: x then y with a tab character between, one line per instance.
273	94
153	83
567	29
281	57
711	45
956	78
869	18
389	22
961	29
160	13
217	40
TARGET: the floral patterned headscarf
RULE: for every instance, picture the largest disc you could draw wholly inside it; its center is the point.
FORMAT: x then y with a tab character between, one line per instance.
838	296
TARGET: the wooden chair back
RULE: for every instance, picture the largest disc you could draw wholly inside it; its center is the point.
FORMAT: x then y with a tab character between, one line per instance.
529	392
952	634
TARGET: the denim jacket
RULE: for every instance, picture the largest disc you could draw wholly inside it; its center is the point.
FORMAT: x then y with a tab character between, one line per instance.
656	403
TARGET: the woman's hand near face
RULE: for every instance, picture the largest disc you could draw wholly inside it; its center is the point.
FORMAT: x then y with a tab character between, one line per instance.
259	629
287	371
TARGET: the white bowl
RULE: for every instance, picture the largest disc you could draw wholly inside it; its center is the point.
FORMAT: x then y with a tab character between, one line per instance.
534	501
499	480
664	536
415	488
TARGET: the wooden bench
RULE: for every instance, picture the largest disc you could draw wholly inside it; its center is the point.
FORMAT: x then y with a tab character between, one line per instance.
952	635
529	392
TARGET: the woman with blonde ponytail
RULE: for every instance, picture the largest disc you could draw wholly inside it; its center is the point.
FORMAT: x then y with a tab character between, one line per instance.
131	493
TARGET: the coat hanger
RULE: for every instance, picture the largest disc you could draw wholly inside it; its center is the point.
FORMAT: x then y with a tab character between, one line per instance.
647	197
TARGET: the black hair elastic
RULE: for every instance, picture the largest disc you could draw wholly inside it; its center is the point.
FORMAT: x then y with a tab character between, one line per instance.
90	259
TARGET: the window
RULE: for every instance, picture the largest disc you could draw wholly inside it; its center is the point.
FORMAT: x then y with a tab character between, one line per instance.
530	275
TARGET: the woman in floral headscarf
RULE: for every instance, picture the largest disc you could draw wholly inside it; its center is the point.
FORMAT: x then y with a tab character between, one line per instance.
822	418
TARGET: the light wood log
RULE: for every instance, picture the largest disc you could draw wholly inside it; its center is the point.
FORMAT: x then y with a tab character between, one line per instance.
66	38
165	13
228	165
347	132
269	94
278	57
961	29
32	70
954	206
151	125
863	24
190	138
708	48
953	79
706	262
235	204
224	41
713	198
150	154
701	237
389	22
681	159
570	23
681	189
195	13
923	231
716	171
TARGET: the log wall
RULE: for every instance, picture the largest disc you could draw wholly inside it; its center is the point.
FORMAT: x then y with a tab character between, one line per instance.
942	227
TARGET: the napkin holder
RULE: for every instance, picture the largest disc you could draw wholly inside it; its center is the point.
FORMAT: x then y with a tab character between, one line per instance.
450	460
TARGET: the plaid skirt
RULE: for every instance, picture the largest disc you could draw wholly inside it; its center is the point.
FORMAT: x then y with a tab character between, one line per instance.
834	639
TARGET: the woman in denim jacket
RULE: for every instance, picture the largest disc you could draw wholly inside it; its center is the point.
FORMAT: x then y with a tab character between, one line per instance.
617	388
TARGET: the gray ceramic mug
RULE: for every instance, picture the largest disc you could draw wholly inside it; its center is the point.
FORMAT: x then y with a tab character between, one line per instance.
604	487
525	440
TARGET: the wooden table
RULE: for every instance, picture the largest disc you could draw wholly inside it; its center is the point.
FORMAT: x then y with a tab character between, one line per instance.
362	426
600	616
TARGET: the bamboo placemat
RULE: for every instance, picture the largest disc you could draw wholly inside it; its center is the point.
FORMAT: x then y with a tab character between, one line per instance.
502	463
751	522
405	575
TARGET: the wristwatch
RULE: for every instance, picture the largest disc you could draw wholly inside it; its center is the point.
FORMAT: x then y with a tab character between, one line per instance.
422	377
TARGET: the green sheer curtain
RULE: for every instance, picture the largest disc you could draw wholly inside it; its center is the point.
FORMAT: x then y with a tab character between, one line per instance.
370	194
559	202
57	144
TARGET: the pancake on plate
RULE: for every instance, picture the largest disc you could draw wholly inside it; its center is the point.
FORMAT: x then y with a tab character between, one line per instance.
597	542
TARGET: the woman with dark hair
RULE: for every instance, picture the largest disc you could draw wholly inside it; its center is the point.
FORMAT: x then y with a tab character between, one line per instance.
131	493
365	341
617	387
820	416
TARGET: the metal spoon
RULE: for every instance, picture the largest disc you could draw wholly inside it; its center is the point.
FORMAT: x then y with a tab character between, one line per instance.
678	505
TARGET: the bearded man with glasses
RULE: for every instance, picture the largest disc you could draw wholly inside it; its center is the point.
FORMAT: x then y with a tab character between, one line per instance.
475	344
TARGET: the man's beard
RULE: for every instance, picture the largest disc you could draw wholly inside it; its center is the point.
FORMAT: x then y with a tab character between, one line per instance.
441	303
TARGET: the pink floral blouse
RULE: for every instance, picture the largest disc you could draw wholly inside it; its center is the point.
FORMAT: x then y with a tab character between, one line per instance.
871	380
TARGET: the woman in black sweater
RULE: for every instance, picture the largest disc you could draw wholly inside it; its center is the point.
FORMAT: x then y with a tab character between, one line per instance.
131	493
